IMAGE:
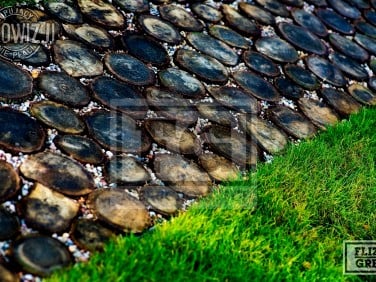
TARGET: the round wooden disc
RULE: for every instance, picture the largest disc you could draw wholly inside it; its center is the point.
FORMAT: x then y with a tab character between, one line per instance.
57	116
366	29
219	168
234	98
260	63
340	101
162	199
179	17
92	36
145	49
160	29
350	67
182	175
232	145
40	255
229	36
345	9
310	22
174	137
260	15
63	88
59	173
205	67
179	81
119	209
117	132
362	94
206	12
302	38
277	49
256	86
293	122
37	54
80	148
10	182
129	69
302	77
133	6
76	59
15	83
214	112
102	13
213	47
19	132
126	170
320	114
370	16
90	235
171	105
47	210
326	71
363	4
119	96
270	138
276	8
334	21
239	22
348	47
288	88
366	42
64	12
9	225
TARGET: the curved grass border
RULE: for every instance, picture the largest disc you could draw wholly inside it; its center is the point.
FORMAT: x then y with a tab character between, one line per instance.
286	223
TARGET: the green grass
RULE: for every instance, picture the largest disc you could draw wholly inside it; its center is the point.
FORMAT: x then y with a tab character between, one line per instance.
8	3
287	223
